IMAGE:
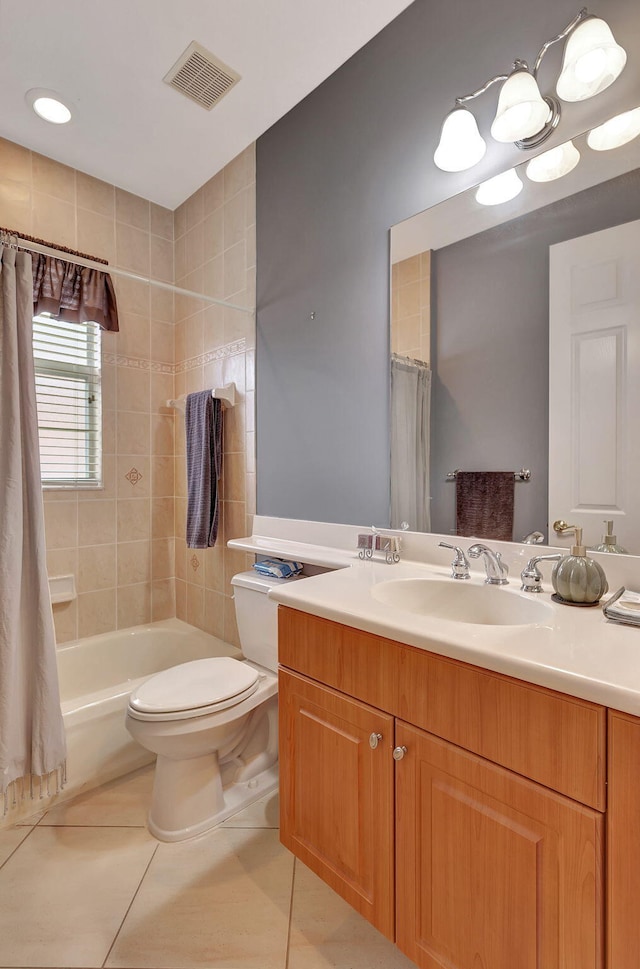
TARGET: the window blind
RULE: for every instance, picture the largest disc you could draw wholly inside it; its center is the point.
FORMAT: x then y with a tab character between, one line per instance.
68	390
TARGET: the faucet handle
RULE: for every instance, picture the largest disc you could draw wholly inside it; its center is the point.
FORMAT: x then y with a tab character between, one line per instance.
460	564
532	576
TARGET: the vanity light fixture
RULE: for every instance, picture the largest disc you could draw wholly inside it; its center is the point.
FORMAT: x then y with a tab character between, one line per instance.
554	163
501	188
592	61
616	131
48	106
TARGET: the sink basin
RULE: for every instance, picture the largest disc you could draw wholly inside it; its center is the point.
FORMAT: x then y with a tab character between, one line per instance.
460	602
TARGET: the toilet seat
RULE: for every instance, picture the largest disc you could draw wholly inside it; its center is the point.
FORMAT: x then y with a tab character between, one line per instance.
194	689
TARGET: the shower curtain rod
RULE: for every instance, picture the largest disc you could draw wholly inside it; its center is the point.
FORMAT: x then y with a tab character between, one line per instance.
104	267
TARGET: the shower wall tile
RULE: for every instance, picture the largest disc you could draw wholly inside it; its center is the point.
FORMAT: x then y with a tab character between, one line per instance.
125	542
215	253
95	195
96	612
96	568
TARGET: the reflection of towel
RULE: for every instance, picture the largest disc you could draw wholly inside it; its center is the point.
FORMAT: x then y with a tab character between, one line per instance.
203	426
484	504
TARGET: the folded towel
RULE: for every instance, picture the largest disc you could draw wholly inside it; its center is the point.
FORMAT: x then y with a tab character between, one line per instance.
203	426
624	607
278	568
484	504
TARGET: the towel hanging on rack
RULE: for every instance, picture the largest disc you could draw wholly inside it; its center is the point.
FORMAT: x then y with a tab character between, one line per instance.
484	504
203	427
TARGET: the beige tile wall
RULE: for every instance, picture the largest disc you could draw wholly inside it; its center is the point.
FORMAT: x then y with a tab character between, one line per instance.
125	543
411	307
117	541
215	254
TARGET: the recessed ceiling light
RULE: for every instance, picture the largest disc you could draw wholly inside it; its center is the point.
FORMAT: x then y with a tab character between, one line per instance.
48	106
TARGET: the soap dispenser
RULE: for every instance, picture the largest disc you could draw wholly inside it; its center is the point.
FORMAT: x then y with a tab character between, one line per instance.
577	579
609	543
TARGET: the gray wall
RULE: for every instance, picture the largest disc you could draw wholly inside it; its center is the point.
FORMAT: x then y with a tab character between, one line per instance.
490	347
333	175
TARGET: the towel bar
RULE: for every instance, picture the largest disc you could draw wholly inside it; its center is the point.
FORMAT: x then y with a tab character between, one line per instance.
523	475
226	394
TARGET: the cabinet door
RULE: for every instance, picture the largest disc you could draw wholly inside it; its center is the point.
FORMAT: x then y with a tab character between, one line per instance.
492	870
336	793
623	842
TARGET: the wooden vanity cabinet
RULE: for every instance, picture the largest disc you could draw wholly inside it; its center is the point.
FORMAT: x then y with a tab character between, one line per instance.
451	851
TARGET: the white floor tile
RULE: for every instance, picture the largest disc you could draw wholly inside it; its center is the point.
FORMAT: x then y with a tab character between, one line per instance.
221	901
124	802
65	891
264	813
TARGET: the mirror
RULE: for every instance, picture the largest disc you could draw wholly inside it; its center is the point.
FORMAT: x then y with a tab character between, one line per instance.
470	296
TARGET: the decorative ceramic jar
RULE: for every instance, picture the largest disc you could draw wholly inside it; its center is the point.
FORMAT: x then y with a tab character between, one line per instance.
577	579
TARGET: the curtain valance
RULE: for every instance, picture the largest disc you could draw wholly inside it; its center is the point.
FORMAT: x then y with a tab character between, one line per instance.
73	293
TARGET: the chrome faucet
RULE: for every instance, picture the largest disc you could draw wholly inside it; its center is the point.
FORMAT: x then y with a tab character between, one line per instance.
532	576
460	565
496	569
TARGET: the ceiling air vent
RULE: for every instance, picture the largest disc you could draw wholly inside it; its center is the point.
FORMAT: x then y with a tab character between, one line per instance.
201	76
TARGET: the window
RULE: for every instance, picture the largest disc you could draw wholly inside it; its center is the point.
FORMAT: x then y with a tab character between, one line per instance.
67	366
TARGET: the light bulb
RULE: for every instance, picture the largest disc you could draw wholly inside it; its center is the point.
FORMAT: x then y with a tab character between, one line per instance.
616	131
461	146
554	163
500	188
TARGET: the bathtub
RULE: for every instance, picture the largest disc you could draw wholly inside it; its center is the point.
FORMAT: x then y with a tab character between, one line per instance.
97	675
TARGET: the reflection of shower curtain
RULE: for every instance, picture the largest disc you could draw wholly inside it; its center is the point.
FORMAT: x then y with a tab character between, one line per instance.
31	730
410	414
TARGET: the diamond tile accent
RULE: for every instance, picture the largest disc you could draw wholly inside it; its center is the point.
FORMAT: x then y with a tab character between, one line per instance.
195	563
133	476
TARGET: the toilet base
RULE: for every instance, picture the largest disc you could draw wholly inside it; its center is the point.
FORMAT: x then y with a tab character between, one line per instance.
195	815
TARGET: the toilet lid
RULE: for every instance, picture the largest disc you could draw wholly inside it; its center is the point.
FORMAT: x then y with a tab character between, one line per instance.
219	681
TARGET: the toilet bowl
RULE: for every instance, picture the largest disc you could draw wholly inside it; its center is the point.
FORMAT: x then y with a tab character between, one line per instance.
213	723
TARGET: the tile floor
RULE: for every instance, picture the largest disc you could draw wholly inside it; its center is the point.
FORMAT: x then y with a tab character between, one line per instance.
86	885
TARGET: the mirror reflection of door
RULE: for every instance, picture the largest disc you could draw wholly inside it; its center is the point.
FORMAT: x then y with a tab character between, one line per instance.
410	391
594	392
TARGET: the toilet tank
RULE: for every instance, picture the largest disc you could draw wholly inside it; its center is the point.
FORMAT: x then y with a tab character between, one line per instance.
257	616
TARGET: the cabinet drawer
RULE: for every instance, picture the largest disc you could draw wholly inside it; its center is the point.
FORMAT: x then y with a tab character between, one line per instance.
556	740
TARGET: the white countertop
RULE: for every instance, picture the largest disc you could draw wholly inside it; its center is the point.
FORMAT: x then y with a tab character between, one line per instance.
577	651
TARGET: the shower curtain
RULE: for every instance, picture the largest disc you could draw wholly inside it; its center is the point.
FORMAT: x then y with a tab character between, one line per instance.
410	415
32	740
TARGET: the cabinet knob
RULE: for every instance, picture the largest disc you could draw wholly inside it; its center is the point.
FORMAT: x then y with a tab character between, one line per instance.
374	740
399	752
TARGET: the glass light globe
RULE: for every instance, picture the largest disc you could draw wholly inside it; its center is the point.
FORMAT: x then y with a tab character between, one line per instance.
522	111
554	163
500	188
616	131
461	145
592	61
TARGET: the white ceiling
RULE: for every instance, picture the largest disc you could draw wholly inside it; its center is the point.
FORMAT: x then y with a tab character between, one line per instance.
107	58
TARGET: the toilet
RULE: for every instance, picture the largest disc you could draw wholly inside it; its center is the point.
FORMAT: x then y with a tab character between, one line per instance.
213	723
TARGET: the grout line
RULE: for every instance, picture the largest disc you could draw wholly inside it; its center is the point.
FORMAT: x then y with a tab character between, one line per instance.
135	895
28	835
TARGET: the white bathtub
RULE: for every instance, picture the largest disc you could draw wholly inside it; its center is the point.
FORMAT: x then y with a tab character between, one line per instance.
96	677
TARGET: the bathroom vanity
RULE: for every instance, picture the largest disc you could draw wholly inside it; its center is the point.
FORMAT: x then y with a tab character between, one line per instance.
475	818
460	762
